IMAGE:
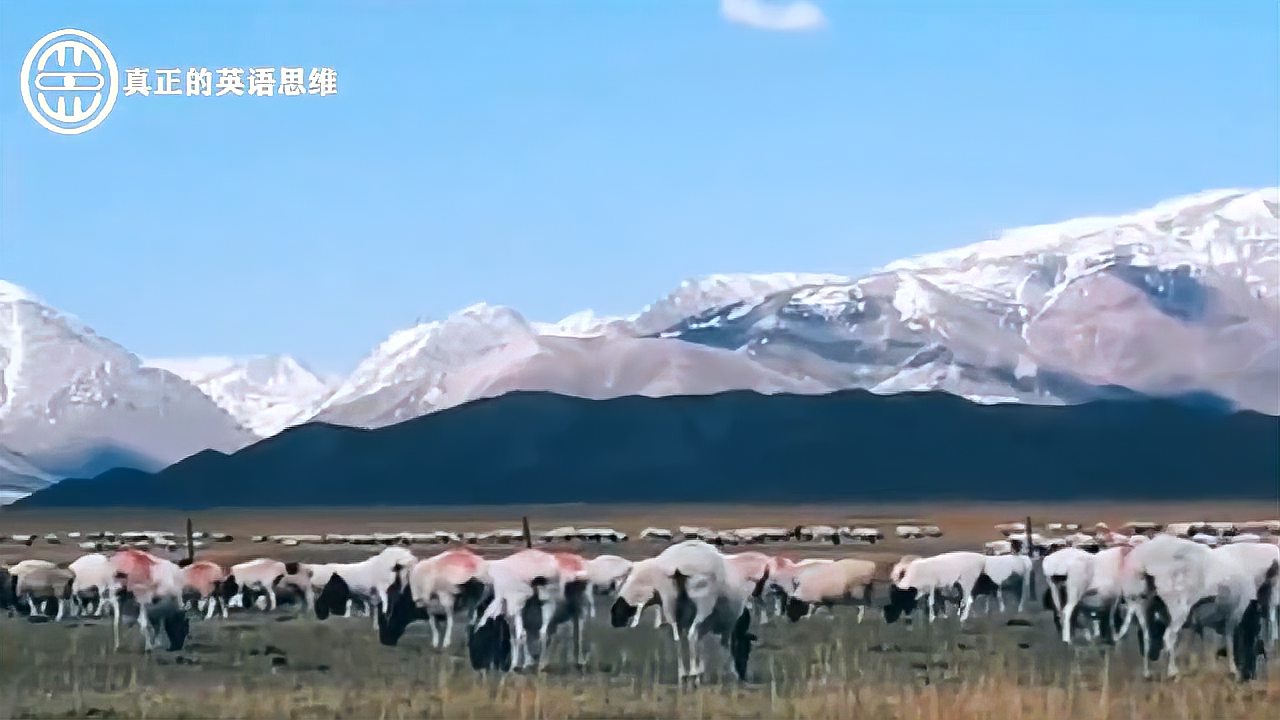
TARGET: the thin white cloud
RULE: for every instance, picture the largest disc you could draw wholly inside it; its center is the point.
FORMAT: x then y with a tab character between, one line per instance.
781	15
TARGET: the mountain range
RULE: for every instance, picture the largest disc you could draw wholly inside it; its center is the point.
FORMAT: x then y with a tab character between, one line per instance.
1180	298
537	447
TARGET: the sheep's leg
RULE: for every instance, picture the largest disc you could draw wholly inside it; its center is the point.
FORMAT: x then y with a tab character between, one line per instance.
1177	618
448	631
1130	612
1068	618
271	599
695	662
61	611
579	659
222	605
966	603
1144	639
591	600
115	622
929	603
210	607
1000	597
1228	633
520	649
144	627
435	631
862	610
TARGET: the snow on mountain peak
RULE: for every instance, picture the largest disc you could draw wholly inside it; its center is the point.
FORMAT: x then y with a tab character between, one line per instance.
264	393
10	292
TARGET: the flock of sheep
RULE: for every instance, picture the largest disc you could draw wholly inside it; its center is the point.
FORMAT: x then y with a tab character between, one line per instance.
1163	582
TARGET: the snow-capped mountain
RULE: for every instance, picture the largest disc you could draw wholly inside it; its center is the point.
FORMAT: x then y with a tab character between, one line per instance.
73	402
1180	298
265	394
486	350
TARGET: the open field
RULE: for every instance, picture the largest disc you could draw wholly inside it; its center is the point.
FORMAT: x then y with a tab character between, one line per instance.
283	665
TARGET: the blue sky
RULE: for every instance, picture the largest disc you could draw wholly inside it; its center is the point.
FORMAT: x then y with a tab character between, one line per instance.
556	155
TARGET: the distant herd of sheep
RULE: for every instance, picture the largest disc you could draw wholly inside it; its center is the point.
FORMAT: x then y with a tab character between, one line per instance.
105	540
1163	580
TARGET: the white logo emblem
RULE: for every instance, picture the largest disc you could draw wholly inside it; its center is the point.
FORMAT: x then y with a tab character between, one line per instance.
69	81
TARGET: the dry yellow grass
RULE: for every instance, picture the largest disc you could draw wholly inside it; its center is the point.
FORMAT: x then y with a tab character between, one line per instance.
818	668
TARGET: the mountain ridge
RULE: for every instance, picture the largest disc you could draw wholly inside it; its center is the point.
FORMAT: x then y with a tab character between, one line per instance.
739	445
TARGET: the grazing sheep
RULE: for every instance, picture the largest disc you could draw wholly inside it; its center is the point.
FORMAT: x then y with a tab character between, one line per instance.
780	581
202	582
367	581
1009	573
94	582
260	576
653	533
605	574
843	582
8	600
155	585
1091	583
700	593
862	534
1262	561
1173	583
816	533
900	567
937	575
753	569
1056	567
529	588
435	590
39	585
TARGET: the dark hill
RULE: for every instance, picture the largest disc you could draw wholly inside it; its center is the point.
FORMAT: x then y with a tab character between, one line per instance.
740	446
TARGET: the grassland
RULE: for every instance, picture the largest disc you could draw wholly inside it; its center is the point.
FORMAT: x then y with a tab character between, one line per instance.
283	665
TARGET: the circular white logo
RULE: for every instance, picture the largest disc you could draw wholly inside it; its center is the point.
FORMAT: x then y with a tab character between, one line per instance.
69	81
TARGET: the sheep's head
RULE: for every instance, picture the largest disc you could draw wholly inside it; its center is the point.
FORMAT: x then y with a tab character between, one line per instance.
796	609
177	627
395	618
489	644
333	598
901	602
638	591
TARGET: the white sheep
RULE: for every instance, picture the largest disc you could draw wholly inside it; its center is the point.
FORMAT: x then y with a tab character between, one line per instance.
435	590
605	574
1009	573
843	582
1092	583
94	581
694	576
261	575
1262	561
937	575
367	581
529	580
1172	583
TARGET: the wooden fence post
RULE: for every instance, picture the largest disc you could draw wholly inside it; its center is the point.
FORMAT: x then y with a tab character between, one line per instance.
528	536
1031	579
191	543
